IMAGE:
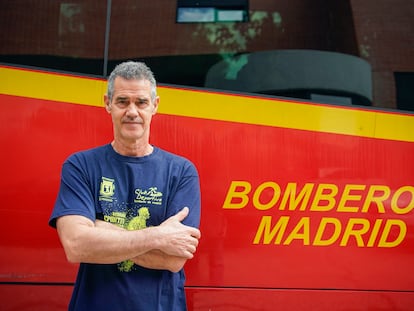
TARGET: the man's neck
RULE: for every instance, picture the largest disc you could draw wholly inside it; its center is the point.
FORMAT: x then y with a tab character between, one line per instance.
132	150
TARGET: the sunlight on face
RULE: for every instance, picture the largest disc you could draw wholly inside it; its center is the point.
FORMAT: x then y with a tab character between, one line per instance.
131	109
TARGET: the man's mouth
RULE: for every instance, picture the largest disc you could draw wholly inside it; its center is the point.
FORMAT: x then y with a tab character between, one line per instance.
132	122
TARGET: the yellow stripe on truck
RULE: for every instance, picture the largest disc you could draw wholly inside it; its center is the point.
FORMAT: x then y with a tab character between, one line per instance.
55	87
218	106
287	114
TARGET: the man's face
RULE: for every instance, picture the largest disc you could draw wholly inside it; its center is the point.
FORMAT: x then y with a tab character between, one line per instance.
131	109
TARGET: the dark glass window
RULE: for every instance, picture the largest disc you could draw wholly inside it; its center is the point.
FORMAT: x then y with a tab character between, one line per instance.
404	82
63	35
365	42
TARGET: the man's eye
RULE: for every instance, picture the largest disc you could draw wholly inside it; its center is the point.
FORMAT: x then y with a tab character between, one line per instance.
122	103
142	103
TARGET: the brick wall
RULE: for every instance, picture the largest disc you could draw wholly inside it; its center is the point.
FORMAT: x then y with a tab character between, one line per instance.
380	31
385	35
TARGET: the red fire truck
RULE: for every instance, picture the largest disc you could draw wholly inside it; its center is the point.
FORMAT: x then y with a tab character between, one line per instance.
305	206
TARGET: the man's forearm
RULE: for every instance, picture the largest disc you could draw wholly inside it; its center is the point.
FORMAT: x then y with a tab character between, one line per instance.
83	241
154	259
158	260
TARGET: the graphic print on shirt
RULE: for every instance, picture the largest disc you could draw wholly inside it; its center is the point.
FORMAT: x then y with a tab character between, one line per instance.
107	189
127	215
150	196
137	223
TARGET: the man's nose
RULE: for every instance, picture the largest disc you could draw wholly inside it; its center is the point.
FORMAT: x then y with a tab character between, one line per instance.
132	109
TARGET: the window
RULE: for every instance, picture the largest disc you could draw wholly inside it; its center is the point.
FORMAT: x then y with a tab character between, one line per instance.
210	11
183	40
66	35
405	90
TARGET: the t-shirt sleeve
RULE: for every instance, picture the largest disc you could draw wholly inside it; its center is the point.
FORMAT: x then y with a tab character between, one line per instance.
187	194
75	195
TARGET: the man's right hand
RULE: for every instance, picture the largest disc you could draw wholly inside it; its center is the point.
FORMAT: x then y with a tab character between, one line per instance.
178	239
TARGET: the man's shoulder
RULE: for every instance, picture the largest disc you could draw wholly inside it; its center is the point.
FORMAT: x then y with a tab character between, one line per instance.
176	160
170	156
88	154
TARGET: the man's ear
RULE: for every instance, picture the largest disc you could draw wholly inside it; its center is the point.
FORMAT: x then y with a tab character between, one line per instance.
107	104
155	106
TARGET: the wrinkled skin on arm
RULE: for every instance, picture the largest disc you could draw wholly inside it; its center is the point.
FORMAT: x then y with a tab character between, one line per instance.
167	246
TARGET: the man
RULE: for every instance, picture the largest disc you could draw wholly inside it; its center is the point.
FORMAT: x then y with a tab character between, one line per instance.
128	211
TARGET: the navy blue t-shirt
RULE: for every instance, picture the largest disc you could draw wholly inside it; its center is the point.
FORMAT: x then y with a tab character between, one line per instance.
133	193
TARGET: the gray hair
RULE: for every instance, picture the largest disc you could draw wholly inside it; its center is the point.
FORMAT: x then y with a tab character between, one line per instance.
131	70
